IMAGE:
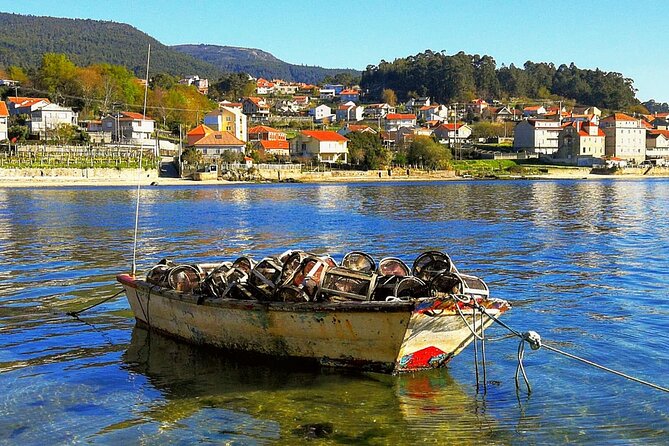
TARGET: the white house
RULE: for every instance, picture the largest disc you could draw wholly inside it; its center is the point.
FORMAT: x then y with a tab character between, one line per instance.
255	108
202	85
215	143
377	111
20	105
49	117
326	145
129	127
453	132
433	113
322	113
625	137
350	112
533	111
394	121
537	135
657	144
4	118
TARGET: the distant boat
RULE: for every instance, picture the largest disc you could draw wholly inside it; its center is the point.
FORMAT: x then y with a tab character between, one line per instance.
330	325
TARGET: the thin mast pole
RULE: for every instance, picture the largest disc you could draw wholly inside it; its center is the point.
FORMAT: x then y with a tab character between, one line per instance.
139	168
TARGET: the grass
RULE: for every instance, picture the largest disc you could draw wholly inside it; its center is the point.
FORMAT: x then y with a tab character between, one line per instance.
481	168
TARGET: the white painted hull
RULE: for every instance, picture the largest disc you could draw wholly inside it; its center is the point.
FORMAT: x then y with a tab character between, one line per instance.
382	336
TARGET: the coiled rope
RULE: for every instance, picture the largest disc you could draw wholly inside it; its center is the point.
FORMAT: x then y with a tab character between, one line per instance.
534	340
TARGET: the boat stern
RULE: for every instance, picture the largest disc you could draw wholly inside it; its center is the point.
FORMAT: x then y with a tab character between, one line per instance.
442	327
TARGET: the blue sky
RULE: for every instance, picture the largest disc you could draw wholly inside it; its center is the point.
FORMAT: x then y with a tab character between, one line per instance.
626	37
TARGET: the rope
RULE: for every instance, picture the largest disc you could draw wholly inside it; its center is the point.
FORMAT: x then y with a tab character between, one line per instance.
533	338
76	313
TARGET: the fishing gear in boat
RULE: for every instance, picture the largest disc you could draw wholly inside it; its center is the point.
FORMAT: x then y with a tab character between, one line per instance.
299	276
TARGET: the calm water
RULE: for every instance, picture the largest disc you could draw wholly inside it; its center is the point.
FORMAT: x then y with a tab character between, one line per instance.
584	263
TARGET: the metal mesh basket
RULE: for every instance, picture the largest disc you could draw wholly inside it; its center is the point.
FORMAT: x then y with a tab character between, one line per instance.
185	278
457	283
218	280
392	266
358	261
308	276
346	283
431	263
265	277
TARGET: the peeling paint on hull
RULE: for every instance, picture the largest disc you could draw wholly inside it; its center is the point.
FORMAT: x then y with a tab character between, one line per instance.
388	337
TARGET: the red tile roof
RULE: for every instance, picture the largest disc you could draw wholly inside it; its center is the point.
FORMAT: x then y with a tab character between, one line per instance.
656	133
200	130
219	139
449	127
324	135
134	116
398	116
349	92
263	129
359	128
25	101
3	110
619	117
274	145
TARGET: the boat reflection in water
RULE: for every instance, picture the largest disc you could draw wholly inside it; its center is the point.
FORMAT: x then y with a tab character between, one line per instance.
208	394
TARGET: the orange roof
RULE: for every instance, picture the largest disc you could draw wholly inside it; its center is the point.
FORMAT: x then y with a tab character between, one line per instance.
218	139
397	116
619	117
3	109
450	127
274	145
656	133
532	107
134	116
358	127
349	92
263	129
22	100
200	130
324	135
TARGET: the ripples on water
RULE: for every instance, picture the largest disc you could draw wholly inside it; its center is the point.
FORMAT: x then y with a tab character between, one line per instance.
584	263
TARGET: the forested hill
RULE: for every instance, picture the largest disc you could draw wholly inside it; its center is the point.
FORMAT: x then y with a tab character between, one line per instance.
259	63
462	77
24	39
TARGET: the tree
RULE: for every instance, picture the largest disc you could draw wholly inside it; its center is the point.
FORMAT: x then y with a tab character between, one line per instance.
389	97
191	156
58	76
426	152
366	149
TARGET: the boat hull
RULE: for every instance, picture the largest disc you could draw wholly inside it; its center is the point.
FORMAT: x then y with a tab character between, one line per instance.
388	337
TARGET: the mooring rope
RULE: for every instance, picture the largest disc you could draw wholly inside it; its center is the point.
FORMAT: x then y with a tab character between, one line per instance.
535	342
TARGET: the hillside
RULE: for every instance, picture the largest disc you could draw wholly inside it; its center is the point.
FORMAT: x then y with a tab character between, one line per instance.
24	39
258	63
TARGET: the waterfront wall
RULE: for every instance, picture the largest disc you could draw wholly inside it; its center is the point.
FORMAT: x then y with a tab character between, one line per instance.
64	173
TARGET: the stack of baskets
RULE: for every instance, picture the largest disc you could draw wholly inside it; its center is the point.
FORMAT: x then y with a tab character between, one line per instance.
300	276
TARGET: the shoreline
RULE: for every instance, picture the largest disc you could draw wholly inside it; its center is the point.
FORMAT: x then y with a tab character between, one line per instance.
56	182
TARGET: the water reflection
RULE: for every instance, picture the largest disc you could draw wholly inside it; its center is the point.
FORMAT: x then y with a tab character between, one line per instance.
266	400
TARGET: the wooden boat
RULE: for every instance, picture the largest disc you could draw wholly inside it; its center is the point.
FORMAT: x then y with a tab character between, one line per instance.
386	336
